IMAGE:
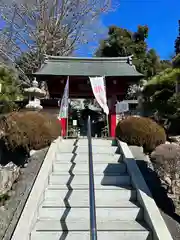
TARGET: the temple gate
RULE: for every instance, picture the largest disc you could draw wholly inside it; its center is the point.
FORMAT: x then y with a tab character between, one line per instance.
119	73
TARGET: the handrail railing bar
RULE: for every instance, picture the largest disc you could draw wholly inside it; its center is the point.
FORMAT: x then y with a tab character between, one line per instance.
92	204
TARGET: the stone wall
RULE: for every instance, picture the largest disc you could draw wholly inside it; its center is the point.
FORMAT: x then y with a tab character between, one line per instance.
8	175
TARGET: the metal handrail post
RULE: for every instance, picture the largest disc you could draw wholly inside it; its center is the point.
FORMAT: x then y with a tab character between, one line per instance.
92	204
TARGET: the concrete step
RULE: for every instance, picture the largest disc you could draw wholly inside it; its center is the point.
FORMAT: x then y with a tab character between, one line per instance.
84	149
97	149
106	225
104	198
82	214
83	168
101	235
95	142
83	157
72	181
86	187
59	203
69	141
128	194
84	142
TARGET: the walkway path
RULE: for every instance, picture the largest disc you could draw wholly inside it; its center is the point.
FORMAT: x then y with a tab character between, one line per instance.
64	210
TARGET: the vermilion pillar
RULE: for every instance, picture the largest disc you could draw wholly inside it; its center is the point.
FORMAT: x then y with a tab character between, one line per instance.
112	115
113	125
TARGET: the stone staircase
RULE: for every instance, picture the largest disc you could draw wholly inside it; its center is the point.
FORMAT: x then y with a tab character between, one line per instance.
64	211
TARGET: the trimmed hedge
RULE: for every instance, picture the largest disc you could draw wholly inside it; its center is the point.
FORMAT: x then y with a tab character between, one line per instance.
29	130
141	131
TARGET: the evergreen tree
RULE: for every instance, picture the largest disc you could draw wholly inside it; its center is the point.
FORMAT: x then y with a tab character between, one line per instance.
122	42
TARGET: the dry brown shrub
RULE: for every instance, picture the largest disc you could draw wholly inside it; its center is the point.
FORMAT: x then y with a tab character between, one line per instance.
166	161
30	130
141	131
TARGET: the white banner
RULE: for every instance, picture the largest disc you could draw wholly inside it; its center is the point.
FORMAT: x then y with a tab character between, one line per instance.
63	113
99	91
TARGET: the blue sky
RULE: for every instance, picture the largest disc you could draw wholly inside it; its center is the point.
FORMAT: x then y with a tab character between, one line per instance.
161	16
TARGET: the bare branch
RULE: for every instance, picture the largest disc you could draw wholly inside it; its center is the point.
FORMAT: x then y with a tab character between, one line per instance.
52	27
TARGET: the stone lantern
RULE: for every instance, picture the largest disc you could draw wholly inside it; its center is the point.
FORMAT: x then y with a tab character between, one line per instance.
34	93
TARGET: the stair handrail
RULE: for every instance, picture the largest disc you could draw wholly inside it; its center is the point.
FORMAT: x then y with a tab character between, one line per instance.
92	203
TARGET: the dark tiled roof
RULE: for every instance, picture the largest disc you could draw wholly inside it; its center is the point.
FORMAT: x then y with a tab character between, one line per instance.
75	66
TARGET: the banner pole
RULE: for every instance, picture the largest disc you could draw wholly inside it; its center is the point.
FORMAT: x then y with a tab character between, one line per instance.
67	127
107	119
67	122
107	116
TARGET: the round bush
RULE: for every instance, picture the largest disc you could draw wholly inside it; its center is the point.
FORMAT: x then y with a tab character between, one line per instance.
167	155
166	161
141	131
29	130
14	131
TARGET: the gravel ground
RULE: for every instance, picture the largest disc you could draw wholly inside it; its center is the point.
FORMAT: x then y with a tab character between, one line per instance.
164	203
10	213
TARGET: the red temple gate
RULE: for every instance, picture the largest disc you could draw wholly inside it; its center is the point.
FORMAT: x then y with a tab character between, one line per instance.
119	73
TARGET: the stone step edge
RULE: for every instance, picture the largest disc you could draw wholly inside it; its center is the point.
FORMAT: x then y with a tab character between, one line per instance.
134	205
125	174
116	235
51	203
62	187
135	226
59	162
134	213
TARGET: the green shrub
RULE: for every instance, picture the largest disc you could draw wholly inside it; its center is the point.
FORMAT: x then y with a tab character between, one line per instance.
7	107
140	131
29	130
10	82
166	161
174	102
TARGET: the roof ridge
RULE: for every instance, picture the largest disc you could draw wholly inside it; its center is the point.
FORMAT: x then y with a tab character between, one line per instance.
91	59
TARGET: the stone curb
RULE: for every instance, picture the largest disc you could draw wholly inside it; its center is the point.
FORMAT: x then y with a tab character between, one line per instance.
152	214
17	213
29	213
